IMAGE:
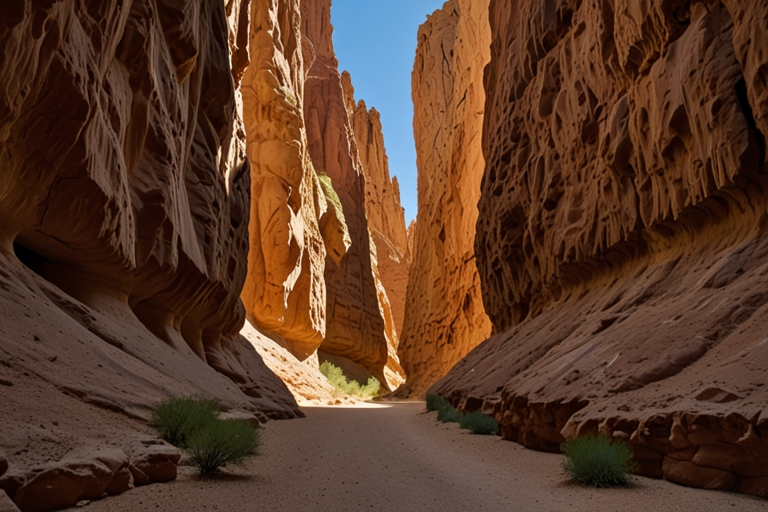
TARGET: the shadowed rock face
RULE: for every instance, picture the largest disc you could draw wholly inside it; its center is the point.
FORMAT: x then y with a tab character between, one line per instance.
124	205
386	217
620	240
444	316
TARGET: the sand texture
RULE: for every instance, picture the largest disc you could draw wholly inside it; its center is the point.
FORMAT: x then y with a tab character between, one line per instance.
399	458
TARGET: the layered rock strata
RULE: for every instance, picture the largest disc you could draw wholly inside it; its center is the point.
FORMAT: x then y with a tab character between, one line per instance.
358	319
444	315
124	206
621	242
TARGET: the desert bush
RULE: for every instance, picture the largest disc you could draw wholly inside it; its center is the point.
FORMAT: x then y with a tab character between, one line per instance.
598	461
448	415
479	423
177	419
222	443
347	388
435	403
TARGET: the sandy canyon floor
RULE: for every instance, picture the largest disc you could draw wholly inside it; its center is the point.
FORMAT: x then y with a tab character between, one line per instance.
397	457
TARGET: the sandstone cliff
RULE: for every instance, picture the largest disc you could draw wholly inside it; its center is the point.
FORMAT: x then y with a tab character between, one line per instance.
386	217
444	316
358	322
620	241
285	290
124	205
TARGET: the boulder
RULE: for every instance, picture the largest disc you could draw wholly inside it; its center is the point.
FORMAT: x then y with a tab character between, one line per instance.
155	464
6	505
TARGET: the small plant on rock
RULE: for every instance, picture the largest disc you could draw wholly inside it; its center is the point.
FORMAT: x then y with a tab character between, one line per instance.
177	419
479	423
598	461
222	443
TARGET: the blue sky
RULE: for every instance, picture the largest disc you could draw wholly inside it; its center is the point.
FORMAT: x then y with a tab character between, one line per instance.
375	40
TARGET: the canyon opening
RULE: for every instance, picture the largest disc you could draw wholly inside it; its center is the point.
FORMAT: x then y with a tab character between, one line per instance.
210	297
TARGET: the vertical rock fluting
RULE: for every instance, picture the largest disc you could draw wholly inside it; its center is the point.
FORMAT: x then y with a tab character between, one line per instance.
124	204
356	308
386	217
620	241
444	316
285	290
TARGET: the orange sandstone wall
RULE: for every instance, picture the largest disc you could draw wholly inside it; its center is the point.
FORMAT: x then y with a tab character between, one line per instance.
621	242
444	316
357	326
285	290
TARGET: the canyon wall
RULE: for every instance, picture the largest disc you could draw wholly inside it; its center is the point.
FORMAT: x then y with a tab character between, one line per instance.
285	291
124	207
359	326
386	217
444	316
621	242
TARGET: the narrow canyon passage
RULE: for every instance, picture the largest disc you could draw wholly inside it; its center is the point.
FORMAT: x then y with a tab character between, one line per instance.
396	457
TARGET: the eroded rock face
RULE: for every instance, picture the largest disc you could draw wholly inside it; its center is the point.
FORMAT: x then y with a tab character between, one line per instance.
357	306
124	206
444	316
285	290
386	217
619	241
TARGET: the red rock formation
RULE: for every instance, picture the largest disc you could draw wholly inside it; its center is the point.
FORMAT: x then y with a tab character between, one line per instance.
386	217
357	305
444	316
124	192
620	240
285	290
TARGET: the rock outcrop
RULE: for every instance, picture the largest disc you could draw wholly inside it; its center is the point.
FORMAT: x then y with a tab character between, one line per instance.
386	217
124	206
621	242
285	290
444	315
358	319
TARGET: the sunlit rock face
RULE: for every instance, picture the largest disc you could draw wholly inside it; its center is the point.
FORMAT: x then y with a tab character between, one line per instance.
444	315
358	318
124	205
620	240
285	291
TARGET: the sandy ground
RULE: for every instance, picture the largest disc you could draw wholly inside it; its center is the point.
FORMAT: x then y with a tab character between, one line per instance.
398	458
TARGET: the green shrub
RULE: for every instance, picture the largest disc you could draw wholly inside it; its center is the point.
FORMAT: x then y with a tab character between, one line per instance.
448	415
177	419
435	403
221	443
347	388
479	423
598	461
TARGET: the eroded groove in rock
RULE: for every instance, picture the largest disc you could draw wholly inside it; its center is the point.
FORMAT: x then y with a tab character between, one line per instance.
619	241
124	191
444	316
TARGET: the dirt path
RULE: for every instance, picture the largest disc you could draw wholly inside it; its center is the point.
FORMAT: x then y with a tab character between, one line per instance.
395	458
